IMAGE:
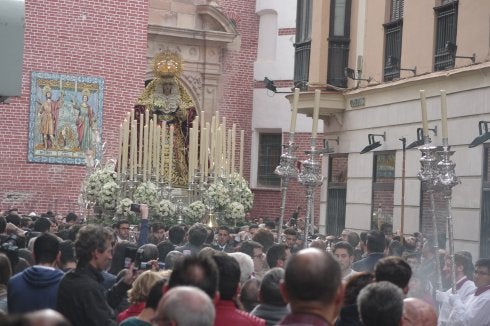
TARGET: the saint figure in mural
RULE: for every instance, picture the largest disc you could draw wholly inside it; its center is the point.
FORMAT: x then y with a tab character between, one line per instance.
166	100
48	114
84	122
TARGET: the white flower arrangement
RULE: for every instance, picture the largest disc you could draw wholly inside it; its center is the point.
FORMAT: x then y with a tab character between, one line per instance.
97	180
108	195
124	207
165	208
240	192
194	212
146	193
217	196
236	211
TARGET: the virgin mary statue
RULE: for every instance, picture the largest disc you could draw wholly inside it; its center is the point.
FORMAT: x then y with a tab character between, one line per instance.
166	100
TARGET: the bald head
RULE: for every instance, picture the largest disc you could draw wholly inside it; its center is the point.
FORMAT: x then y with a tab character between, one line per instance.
417	312
312	275
45	317
186	305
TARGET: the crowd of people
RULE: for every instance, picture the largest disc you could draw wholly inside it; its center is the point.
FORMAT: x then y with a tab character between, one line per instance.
59	270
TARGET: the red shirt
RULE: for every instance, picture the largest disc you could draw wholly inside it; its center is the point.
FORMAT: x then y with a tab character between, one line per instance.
133	310
227	314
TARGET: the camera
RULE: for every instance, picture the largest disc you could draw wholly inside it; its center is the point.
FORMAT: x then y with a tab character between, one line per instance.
135	208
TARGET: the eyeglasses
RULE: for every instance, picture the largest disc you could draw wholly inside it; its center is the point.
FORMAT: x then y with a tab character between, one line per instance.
124	228
481	273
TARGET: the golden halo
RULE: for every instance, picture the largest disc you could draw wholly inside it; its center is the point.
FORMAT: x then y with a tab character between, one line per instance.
167	64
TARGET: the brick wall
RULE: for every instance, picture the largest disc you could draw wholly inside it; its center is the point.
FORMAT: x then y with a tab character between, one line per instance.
267	203
104	39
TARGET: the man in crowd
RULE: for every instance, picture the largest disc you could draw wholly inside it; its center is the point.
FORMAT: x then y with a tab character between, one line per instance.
381	304
277	255
395	270
475	311
197	237
464	287
417	312
272	307
121	230
312	287
229	278
37	287
291	236
176	235
196	270
344	253
255	251
185	305
157	233
82	298
375	245
223	240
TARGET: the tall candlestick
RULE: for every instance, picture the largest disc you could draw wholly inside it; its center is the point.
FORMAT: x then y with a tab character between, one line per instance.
316	111
294	113
150	149
233	145
205	150
171	154
119	154
145	158
134	140
133	147
444	114
157	154
425	122
242	135
228	153
162	150
140	138
125	146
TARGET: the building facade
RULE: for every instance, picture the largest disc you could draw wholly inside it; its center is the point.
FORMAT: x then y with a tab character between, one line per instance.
371	59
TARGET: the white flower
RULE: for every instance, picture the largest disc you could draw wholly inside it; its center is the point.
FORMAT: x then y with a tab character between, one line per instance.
194	212
124	207
108	195
165	208
236	211
146	193
216	196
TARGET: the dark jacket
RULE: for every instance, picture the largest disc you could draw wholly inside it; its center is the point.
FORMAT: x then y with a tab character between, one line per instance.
35	288
82	298
349	316
271	314
367	264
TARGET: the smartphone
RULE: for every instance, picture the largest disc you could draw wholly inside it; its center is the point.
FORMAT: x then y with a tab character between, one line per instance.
138	258
147	265
135	208
129	256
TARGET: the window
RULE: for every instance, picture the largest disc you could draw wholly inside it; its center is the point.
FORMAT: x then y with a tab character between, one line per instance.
393	41
338	42
303	44
383	191
446	27
269	157
485	209
337	193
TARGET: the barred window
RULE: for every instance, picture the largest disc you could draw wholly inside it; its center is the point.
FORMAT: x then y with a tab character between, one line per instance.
269	157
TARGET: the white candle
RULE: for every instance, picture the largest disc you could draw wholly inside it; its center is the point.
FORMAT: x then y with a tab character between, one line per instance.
131	154
145	158
444	114
242	134
228	152
125	146
150	148
162	150
233	143
140	138
294	113
119	154
316	111
205	150
157	156
423	105
171	154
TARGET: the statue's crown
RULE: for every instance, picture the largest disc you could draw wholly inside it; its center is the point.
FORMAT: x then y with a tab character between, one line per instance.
167	64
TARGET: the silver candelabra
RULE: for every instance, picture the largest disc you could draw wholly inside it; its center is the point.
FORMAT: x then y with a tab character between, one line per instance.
310	177
286	170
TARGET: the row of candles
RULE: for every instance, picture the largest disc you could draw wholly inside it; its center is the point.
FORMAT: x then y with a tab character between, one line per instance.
153	150
219	144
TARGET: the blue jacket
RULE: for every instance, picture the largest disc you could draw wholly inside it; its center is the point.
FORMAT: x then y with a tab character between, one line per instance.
367	264
33	289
